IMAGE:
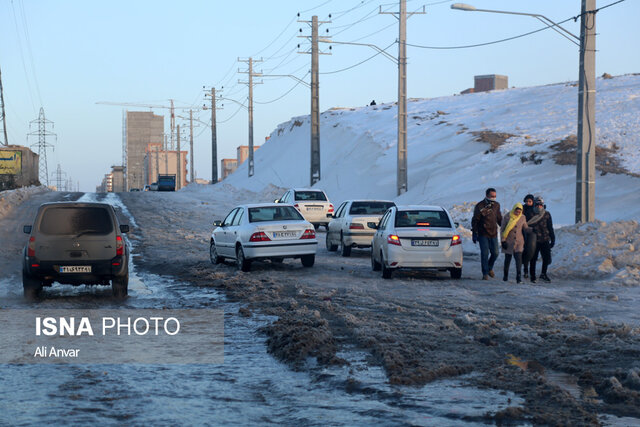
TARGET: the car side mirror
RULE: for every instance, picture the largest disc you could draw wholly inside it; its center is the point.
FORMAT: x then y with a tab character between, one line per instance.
27	229
457	224
217	223
373	225
124	228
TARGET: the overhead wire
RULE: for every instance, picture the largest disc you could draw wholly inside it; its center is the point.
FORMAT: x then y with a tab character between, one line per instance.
284	94
24	64
359	63
30	51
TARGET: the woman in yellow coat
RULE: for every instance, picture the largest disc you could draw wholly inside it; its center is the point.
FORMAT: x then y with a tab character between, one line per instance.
513	226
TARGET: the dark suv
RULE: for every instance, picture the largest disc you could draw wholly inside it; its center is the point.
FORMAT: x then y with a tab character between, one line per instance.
75	243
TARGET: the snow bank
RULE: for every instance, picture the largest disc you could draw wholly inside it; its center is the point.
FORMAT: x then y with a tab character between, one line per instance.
11	198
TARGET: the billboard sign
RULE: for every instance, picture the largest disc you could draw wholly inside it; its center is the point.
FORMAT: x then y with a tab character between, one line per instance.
10	162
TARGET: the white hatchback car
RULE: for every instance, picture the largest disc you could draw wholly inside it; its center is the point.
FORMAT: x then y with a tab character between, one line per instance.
263	231
314	205
349	227
416	237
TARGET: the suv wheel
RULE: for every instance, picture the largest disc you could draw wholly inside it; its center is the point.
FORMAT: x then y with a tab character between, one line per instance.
213	254
120	286
308	260
330	246
345	250
31	287
243	263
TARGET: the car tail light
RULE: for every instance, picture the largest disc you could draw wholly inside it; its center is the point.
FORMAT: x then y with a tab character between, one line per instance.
330	208
31	249
119	246
356	226
308	234
394	240
296	206
260	236
456	240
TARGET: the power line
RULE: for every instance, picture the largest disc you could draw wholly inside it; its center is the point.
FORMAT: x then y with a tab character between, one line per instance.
284	94
28	42
359	63
24	64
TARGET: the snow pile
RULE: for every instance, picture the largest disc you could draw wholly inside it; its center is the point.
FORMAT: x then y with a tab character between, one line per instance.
599	250
11	198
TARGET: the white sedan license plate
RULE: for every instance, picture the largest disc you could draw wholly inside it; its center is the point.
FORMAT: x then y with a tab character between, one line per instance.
425	242
314	208
75	269
284	234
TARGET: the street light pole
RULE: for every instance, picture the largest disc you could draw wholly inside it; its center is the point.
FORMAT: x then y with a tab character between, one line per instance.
586	147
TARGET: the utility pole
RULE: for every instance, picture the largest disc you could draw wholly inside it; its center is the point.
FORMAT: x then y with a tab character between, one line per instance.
178	175
401	15
251	74
173	123
315	174
42	144
124	149
586	150
192	175
214	136
166	156
2	112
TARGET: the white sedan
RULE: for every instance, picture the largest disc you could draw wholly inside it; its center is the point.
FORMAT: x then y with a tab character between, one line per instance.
265	231
416	237
313	204
350	228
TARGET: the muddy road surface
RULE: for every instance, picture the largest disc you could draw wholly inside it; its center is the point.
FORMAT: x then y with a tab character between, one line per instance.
334	344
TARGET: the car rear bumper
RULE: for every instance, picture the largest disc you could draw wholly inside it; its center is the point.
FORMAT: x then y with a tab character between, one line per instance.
101	270
362	239
279	250
399	257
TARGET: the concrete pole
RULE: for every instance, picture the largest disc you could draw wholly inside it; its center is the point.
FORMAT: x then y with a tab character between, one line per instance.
315	104
250	159
402	99
178	168
192	176
4	116
166	156
173	123
586	150
214	139
157	165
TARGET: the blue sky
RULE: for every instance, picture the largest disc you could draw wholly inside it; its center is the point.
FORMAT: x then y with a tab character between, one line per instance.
67	55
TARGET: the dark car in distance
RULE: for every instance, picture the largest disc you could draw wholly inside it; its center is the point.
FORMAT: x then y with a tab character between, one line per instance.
75	243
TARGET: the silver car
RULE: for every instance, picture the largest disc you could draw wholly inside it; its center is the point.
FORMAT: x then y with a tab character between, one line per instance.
263	231
314	205
416	237
349	227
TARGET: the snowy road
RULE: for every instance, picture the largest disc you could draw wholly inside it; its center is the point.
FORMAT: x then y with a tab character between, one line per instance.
415	350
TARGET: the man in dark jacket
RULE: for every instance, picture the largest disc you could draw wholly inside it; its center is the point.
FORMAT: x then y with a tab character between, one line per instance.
542	224
485	226
529	246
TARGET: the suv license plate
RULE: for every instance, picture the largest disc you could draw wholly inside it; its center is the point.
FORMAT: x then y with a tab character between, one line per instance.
425	243
75	269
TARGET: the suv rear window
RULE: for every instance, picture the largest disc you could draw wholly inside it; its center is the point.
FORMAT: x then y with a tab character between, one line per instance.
274	213
422	219
302	196
76	220
369	208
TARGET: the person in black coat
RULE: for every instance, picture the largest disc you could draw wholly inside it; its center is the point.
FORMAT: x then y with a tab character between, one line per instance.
542	224
529	244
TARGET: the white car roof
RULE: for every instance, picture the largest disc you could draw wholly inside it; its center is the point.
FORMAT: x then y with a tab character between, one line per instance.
263	205
307	189
369	200
420	207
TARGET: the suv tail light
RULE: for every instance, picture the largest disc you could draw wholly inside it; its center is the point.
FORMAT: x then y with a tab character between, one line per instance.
356	226
260	236
456	240
31	249
119	246
308	234
394	240
330	208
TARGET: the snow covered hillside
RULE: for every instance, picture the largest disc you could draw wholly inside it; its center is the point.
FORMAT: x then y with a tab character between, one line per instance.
518	140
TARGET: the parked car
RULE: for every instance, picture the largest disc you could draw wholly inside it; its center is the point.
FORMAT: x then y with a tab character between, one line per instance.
263	231
153	186
146	188
75	243
134	189
314	205
349	227
416	237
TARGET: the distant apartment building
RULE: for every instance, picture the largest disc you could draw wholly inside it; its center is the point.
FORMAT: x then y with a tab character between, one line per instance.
243	153
490	82
117	179
142	128
227	167
160	162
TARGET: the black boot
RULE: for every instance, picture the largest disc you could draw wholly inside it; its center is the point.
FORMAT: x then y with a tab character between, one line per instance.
518	279
545	278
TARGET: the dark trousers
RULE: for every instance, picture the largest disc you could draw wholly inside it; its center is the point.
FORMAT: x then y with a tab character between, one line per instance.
488	245
544	249
507	263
